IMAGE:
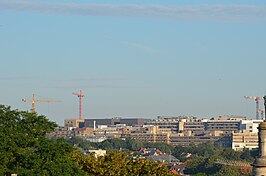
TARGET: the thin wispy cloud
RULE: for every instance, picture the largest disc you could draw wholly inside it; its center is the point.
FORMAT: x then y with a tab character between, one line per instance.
139	46
9	78
199	12
107	82
98	78
103	86
93	79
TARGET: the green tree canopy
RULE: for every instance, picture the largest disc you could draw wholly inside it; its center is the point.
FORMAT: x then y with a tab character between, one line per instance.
117	163
25	150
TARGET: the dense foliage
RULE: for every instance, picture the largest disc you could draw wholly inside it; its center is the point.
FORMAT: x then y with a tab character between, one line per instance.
117	144
25	150
117	163
202	159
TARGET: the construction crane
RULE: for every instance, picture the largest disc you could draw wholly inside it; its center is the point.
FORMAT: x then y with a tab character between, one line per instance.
257	99
33	101
80	96
261	113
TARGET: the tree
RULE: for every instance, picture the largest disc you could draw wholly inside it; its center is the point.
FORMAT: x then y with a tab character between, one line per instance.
247	155
230	154
133	144
82	143
25	150
228	171
117	163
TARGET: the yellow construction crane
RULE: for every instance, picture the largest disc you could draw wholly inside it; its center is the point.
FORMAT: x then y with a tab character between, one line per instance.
33	101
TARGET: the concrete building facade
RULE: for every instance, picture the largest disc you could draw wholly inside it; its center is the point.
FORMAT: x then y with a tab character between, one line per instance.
72	123
243	140
114	121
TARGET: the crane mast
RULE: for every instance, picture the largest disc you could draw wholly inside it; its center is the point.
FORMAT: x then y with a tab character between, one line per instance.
33	101
80	96
257	99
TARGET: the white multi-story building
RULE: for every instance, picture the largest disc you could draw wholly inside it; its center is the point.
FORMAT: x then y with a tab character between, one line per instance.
250	125
243	140
247	137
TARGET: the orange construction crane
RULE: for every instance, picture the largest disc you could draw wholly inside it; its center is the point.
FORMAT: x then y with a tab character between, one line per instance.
33	101
80	96
257	99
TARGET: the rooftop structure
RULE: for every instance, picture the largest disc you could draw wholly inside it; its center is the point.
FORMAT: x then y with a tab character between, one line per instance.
114	121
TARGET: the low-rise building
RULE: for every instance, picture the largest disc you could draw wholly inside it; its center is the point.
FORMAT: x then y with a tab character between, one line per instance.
176	139
150	137
83	131
61	132
98	152
93	123
171	124
227	124
250	125
163	158
229	131
74	123
243	140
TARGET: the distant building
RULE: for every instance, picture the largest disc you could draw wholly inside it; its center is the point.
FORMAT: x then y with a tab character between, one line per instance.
114	121
150	151
250	125
193	128
176	139
227	124
163	158
83	131
75	123
243	140
150	137
62	132
97	138
98	153
229	131
166	123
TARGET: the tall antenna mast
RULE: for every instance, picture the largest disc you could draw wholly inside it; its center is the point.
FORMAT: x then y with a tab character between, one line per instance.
80	96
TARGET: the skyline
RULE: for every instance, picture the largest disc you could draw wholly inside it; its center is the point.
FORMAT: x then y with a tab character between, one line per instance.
133	58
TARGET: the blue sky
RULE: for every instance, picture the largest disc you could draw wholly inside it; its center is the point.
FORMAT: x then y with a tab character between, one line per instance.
133	58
